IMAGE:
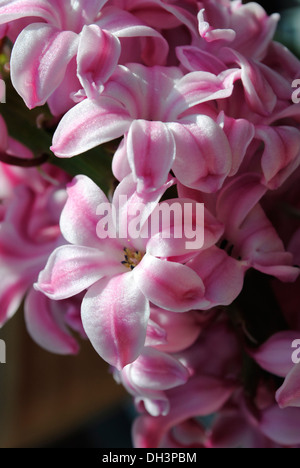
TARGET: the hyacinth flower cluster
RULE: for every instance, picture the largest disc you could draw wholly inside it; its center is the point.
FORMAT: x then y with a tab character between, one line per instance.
191	104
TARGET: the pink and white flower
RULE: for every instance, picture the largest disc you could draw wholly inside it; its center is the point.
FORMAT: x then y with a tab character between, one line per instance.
262	75
62	47
157	111
31	203
123	276
249	236
29	231
213	363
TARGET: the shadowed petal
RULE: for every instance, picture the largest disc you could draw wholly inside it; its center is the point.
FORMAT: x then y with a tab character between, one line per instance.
44	323
289	392
281	425
275	355
98	55
203	154
223	276
202	396
168	284
196	88
155	370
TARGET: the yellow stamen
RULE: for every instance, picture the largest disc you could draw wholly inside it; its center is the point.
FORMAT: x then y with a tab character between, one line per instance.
132	258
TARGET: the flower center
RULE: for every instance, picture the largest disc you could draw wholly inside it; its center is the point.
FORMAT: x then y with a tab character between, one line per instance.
132	258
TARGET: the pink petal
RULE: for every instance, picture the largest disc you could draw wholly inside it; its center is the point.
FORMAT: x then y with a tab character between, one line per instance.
17	9
79	217
249	230
255	29
237	199
72	269
194	59
169	285
275	355
88	125
180	330
196	88
151	152
175	227
240	133
281	425
92	8
200	396
120	163
123	24
209	33
258	92
155	14
223	276
43	319
98	56
189	229
231	430
281	155
130	205
114	316
156	335
289	392
155	370
203	155
39	61
61	100
143	90
12	292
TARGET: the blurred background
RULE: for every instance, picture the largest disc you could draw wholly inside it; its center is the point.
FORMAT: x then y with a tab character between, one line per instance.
74	402
59	401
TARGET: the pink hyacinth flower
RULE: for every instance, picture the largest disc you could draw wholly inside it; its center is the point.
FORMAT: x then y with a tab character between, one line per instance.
249	230
249	236
213	363
122	275
31	203
67	46
262	73
149	377
29	231
156	108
